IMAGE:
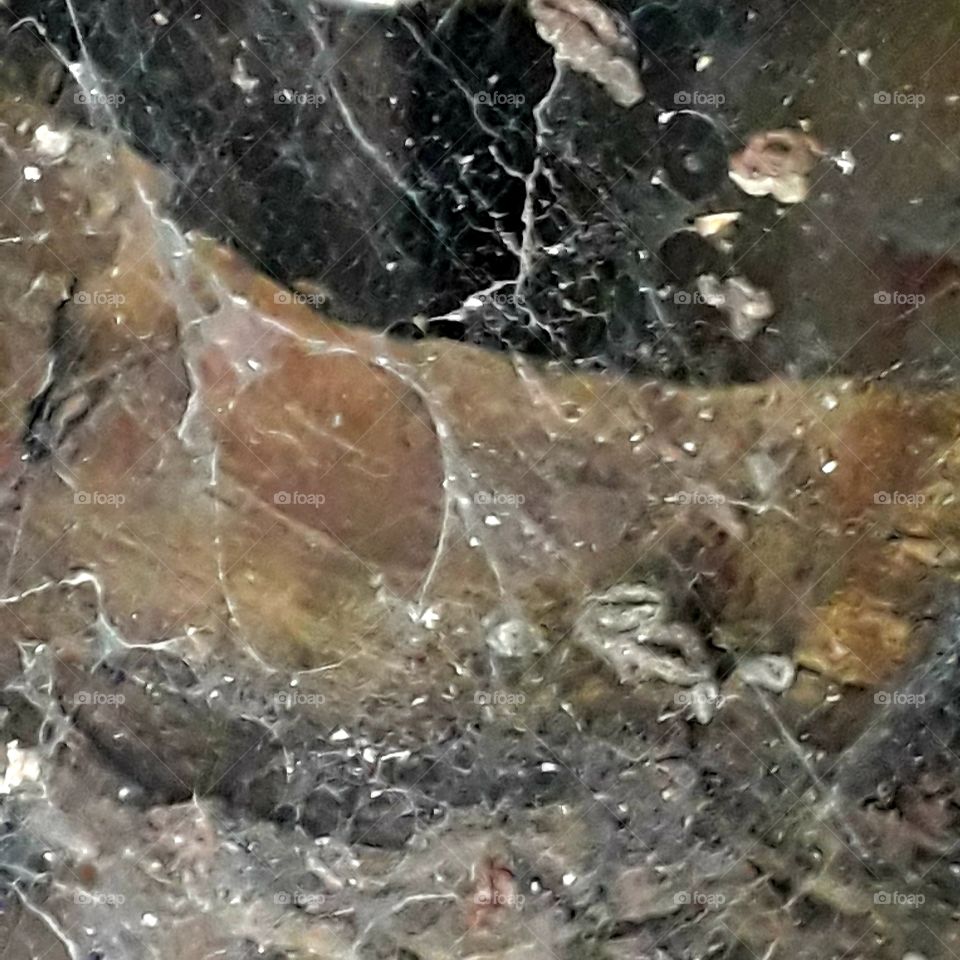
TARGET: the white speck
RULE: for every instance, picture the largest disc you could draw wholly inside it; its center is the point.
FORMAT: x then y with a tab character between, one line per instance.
703	62
690	446
369	754
491	520
713	224
829	466
21	765
149	920
240	78
429	618
896	137
549	767
569	879
338	736
123	793
845	162
863	57
31	173
514	638
254	365
160	19
829	401
474	542
50	142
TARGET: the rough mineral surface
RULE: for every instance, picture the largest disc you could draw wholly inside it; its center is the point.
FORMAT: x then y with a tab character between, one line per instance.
587	38
322	642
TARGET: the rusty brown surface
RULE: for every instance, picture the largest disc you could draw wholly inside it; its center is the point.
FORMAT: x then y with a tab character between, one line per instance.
204	398
194	459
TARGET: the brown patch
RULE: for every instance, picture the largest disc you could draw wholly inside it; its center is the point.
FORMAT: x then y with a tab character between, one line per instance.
856	638
493	890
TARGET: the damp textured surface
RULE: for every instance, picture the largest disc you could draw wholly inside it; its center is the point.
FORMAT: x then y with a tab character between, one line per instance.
478	480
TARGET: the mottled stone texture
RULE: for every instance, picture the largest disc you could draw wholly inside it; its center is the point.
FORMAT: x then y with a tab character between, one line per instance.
431	167
299	650
321	642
